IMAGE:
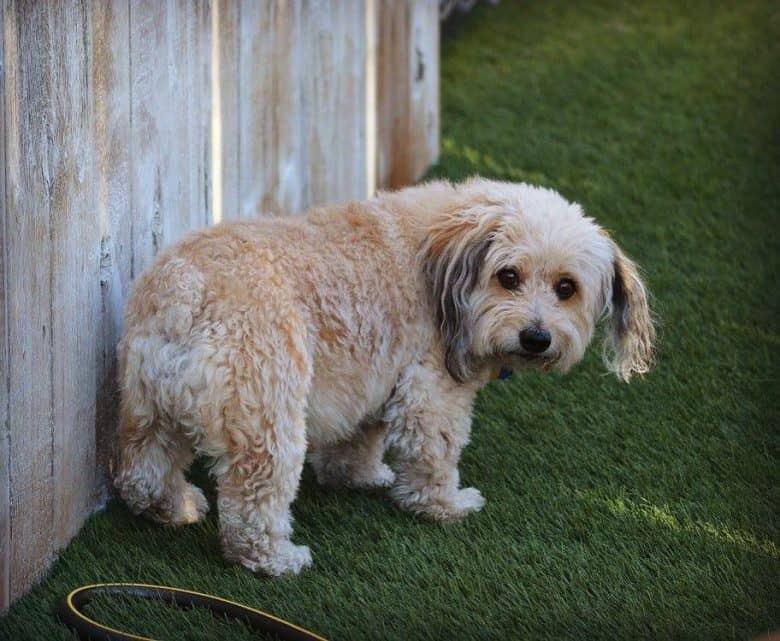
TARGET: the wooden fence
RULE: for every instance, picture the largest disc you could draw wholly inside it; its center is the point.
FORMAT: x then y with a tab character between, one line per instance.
122	126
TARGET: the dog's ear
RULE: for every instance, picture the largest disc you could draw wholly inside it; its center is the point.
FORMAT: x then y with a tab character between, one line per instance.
629	345
452	255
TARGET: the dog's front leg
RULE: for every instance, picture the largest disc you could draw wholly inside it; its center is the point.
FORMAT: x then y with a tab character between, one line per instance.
355	463
429	420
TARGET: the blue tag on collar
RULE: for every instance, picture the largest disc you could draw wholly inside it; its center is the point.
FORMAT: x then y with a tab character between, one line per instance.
505	373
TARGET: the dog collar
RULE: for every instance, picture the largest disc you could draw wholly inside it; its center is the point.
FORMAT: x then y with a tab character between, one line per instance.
505	373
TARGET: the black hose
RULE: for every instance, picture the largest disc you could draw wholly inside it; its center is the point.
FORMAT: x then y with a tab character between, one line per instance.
70	612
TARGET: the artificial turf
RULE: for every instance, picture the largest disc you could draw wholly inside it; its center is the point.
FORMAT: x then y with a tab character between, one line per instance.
614	511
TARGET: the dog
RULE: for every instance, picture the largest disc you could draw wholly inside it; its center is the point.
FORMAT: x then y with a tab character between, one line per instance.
337	334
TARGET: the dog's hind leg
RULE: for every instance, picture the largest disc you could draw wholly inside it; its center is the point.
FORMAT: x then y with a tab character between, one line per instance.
356	463
257	480
153	454
151	479
264	436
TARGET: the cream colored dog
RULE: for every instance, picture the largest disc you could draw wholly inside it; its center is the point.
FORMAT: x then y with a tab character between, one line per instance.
349	329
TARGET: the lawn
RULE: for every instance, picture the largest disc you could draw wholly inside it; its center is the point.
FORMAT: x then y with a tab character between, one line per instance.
642	511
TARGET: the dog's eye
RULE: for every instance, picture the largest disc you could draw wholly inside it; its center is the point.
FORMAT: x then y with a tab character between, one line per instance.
509	279
565	288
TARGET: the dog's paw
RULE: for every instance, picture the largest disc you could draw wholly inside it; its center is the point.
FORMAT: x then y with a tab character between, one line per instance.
468	500
384	476
365	477
286	558
453	506
457	506
191	506
182	505
378	476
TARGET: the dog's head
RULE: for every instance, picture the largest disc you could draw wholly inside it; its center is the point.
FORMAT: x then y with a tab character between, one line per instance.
519	275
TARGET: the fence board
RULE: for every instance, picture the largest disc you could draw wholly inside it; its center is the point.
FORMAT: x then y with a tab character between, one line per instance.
321	52
30	153
408	90
270	108
169	77
421	148
75	263
225	131
110	64
5	480
334	118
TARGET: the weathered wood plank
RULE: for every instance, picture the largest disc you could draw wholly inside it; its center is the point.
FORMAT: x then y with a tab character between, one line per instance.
148	80
169	44
392	84
371	70
75	265
199	154
225	132
270	108
408	90
5	480
422	144
110	70
30	156
333	41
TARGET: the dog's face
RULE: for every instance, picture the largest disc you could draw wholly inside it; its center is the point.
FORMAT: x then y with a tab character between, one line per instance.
521	276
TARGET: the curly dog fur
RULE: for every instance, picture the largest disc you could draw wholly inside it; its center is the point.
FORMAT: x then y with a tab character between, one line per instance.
348	330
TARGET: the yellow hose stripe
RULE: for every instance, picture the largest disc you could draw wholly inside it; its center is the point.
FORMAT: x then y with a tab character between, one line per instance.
177	590
97	624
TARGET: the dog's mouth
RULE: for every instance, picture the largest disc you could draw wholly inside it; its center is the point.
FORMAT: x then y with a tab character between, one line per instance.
517	357
542	362
530	356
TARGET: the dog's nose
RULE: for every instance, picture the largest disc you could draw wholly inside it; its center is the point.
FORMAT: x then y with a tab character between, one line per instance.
535	339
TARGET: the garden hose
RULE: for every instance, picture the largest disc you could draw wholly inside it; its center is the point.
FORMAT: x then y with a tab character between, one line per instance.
70	612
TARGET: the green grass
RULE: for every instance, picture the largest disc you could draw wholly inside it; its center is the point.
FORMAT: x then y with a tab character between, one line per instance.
617	512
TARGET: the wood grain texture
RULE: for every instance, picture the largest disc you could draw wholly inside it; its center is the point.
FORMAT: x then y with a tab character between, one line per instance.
5	445
333	34
31	156
74	263
422	146
408	90
270	108
303	115
225	119
370	72
110	78
169	95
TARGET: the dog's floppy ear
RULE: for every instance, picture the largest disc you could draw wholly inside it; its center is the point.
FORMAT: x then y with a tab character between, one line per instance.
628	347
452	255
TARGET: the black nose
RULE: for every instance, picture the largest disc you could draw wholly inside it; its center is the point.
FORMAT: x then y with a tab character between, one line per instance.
535	340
